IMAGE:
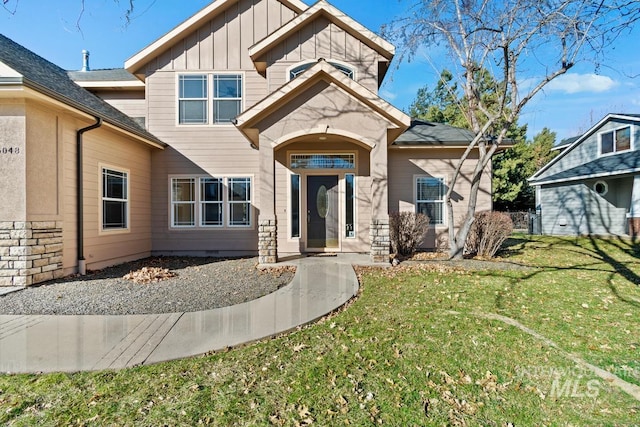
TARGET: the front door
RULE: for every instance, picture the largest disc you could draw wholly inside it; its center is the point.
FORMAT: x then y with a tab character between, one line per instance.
322	212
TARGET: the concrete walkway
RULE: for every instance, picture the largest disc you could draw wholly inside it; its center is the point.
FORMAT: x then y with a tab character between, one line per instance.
85	343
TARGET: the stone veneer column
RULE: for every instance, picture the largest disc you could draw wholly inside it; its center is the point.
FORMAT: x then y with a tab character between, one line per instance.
380	241
30	252
267	241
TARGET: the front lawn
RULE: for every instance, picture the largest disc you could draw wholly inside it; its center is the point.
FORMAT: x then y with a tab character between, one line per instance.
422	345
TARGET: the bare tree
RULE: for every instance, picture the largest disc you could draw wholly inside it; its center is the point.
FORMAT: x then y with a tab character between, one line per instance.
11	6
525	44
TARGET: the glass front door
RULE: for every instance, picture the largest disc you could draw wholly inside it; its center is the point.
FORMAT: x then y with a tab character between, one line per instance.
322	212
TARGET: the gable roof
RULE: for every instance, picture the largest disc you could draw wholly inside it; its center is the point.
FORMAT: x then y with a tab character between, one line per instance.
321	71
206	14
620	164
322	8
49	79
535	179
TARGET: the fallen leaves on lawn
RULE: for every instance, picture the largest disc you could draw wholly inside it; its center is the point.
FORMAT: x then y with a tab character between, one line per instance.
149	275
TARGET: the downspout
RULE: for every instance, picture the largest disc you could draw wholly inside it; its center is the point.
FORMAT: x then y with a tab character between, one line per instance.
82	265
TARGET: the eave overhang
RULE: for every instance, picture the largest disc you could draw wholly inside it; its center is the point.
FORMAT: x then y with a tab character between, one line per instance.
19	87
247	121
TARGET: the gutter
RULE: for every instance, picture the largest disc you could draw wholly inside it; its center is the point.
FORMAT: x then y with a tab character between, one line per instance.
82	264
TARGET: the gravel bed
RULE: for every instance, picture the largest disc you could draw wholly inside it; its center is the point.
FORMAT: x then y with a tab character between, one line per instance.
200	284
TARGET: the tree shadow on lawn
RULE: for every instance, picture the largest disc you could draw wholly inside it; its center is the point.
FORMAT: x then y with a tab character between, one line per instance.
597	251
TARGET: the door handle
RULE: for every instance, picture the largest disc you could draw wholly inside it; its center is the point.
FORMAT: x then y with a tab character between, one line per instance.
308	217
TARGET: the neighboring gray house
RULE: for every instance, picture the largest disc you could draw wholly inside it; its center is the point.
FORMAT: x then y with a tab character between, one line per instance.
593	186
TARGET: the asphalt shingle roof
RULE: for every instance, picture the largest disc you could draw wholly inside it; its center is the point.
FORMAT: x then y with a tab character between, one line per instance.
617	164
423	133
107	75
48	78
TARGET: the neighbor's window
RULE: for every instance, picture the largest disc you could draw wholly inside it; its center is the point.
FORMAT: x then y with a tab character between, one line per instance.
430	194
183	202
239	202
615	140
195	98
115	199
295	206
211	202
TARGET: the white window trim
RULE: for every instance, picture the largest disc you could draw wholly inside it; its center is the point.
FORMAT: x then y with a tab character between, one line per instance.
290	238
444	204
101	230
329	61
290	155
171	203
210	111
198	203
632	145
355	206
229	203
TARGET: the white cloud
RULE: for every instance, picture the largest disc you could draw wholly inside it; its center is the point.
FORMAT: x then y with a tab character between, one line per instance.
388	95
581	83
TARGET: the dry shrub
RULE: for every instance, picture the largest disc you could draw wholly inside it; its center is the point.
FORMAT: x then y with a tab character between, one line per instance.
407	229
148	275
487	234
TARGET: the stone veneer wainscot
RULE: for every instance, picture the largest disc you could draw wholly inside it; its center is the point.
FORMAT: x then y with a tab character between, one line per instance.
30	252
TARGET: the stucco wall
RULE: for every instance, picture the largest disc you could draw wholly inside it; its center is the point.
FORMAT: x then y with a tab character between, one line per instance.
13	156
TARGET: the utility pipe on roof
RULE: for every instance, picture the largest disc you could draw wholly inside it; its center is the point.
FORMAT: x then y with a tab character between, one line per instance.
82	264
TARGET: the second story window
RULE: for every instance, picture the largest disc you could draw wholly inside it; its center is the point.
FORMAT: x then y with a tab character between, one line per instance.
209	99
296	71
615	140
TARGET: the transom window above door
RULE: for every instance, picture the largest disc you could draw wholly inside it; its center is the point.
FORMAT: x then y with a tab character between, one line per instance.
299	69
205	99
323	161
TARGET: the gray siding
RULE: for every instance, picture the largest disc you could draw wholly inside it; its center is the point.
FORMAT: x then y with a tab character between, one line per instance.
587	151
577	209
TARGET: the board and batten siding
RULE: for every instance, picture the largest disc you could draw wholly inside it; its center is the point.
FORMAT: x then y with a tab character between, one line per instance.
576	209
103	147
223	43
323	39
407	163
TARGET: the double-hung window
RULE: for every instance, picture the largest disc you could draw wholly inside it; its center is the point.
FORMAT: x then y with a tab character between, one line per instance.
430	194
115	199
204	202
205	99
239	202
615	140
193	99
211	195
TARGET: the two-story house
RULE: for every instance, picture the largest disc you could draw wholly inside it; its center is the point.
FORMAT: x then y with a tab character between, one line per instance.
254	127
593	186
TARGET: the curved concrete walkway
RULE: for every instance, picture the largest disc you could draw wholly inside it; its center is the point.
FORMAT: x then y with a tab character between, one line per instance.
85	343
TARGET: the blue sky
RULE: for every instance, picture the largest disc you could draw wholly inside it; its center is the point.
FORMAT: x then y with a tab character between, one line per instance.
568	107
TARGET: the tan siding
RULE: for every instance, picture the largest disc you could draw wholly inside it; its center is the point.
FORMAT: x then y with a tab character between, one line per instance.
322	39
103	146
405	164
132	103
